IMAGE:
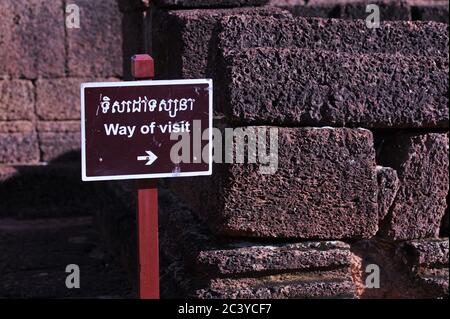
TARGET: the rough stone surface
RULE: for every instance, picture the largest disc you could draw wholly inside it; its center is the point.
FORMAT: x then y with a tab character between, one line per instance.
427	253
435	279
18	143
320	88
16	100
406	38
208	3
227	257
389	9
398	276
421	162
325	187
59	99
95	49
185	39
427	263
309	269
388	185
32	38
59	140
274	258
311	285
303	8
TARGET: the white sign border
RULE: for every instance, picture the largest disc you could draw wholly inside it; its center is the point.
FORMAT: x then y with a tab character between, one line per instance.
83	86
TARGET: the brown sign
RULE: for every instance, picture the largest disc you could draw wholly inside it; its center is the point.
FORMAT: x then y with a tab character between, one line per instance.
146	129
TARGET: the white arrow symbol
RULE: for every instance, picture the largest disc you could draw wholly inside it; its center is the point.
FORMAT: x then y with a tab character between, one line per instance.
150	158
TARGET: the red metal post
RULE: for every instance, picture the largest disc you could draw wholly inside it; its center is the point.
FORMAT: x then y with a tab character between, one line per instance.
148	239
142	68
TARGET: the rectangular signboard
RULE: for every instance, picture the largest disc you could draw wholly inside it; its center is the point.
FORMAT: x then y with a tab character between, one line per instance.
134	130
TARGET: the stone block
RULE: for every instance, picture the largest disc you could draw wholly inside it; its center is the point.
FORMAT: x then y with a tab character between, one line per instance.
16	100
351	36
421	162
210	267
426	262
208	3
322	88
95	49
18	143
32	39
427	253
184	40
59	99
325	187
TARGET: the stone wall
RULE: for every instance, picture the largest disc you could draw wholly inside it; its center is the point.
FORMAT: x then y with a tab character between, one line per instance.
362	118
42	63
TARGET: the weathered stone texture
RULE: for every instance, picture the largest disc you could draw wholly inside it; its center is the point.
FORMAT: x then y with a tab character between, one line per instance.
225	268
58	139
18	143
388	185
421	161
95	49
185	39
427	263
427	253
197	264
320	88
349	9
58	99
321	285
312	8
32	38
208	3
390	10
16	100
406	38
260	259
408	270
325	187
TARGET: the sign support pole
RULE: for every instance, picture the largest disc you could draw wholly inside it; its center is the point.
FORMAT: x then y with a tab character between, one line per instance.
142	68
